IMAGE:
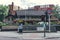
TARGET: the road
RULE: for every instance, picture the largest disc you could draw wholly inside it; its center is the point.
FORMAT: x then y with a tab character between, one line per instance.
43	39
7	38
28	36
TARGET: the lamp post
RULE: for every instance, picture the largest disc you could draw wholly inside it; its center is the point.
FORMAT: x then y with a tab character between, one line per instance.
25	16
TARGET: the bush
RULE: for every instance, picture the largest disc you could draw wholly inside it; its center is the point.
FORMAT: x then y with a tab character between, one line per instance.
54	23
3	24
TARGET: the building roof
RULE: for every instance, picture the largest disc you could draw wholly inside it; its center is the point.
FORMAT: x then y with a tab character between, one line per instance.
30	12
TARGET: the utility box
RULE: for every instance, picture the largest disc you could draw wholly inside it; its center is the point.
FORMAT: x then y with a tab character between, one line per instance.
40	28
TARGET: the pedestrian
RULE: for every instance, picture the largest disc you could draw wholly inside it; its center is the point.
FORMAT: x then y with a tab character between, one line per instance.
20	28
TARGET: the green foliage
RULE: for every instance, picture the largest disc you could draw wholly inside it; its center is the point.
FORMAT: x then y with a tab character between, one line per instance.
56	11
3	11
3	24
53	22
0	23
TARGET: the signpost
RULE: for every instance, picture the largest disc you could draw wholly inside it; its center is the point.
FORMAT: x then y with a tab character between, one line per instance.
47	19
49	12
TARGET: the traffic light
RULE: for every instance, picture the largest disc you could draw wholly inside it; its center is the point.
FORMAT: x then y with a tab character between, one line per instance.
42	18
47	16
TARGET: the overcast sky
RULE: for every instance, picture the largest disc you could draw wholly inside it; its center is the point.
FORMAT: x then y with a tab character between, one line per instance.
29	3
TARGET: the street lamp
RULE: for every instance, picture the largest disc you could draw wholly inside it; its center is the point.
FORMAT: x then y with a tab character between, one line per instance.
25	16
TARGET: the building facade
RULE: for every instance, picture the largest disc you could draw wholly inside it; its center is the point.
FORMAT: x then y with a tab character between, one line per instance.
34	15
30	15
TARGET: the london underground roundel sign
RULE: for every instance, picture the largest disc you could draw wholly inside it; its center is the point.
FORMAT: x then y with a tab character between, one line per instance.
49	10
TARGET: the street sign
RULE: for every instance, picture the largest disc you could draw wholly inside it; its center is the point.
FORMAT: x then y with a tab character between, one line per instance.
49	10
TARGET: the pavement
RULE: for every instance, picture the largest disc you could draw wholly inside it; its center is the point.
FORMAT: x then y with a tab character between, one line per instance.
40	35
20	36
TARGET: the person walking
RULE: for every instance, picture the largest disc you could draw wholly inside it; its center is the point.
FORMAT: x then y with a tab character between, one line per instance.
20	28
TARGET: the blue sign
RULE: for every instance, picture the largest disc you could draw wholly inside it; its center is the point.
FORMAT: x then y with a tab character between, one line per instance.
49	11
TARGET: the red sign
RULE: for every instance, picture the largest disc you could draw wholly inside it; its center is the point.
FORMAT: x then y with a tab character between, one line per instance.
49	10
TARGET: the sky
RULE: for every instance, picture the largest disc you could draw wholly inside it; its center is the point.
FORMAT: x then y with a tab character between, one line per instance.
29	3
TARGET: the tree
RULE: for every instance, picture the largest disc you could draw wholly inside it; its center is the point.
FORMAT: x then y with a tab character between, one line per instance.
56	11
3	11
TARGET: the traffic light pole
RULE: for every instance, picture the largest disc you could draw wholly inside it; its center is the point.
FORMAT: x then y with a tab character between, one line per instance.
44	29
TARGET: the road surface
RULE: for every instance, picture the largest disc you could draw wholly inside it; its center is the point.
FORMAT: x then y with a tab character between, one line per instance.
29	36
7	38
